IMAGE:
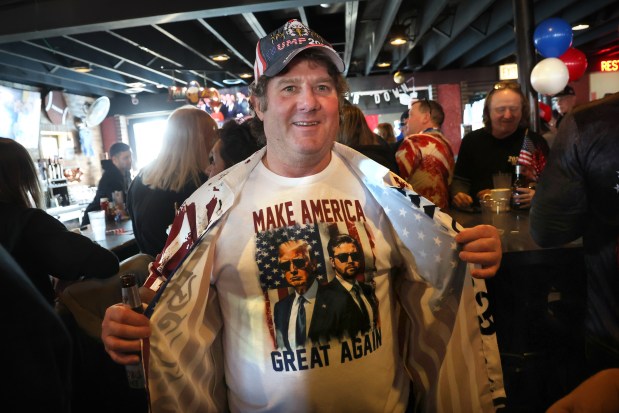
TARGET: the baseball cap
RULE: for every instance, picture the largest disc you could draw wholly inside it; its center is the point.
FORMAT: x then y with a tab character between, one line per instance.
568	91
277	49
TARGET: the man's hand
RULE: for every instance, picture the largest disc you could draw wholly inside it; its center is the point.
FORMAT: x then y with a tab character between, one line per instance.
122	332
524	197
598	394
462	200
482	194
482	246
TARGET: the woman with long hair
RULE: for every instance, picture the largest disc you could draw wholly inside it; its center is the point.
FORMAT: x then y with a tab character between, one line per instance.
355	132
38	242
179	169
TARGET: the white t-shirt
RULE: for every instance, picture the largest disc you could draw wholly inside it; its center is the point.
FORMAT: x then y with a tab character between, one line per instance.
361	373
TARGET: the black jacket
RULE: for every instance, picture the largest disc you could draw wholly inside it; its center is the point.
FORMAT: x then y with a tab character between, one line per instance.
152	211
37	355
43	246
382	153
578	195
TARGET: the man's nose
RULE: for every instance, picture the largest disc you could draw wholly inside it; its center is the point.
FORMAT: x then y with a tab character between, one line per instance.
308	100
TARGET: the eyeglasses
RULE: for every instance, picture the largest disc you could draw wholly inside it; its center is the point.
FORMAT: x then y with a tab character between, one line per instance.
506	85
343	257
299	263
426	104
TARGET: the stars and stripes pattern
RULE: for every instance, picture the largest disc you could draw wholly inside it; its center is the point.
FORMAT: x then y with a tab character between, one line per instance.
531	156
526	152
267	244
429	240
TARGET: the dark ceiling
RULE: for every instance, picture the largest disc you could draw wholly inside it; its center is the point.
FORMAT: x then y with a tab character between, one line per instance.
145	47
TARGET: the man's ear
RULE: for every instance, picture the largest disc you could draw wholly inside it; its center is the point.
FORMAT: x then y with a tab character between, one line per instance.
255	103
427	117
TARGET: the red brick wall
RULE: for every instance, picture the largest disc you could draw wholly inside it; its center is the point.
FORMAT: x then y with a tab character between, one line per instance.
449	97
109	133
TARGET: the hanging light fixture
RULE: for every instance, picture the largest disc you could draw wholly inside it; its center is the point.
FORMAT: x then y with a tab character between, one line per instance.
383	60
581	26
80	67
398	35
220	57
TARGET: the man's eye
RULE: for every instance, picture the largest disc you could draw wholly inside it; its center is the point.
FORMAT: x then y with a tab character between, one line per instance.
289	89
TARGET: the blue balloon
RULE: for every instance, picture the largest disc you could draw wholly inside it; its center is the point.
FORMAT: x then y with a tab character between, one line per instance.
553	37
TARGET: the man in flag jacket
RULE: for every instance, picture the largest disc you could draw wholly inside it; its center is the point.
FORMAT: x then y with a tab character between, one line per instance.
503	142
210	342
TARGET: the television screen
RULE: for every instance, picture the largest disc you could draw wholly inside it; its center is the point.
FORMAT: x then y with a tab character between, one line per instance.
20	116
229	103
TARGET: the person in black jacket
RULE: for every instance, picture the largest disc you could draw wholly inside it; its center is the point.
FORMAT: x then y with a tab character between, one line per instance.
504	141
37	357
41	244
578	196
179	169
115	177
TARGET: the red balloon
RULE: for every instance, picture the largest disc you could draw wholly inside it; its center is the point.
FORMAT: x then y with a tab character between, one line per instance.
545	111
576	63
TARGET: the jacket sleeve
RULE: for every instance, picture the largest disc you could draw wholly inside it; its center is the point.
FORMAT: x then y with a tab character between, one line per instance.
461	181
408	158
67	255
559	207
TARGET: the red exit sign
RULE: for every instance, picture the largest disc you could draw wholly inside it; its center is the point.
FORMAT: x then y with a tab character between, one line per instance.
609	65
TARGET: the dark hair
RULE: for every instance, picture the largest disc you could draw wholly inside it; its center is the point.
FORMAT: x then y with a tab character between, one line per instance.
18	177
354	129
404	116
339	240
117	148
237	141
258	90
436	110
524	110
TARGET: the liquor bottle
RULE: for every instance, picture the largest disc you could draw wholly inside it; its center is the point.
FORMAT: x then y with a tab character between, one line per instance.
518	183
131	297
50	169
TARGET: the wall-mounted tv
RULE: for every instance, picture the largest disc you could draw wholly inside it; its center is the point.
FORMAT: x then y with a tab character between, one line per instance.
20	116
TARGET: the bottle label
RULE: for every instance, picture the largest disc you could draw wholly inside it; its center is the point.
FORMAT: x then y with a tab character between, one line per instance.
135	376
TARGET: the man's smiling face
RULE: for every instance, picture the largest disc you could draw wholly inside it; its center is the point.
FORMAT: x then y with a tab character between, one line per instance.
302	116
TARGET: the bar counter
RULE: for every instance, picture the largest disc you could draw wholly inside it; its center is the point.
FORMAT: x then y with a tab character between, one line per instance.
537	301
119	238
513	227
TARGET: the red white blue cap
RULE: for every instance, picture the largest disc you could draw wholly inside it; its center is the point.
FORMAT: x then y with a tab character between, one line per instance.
277	49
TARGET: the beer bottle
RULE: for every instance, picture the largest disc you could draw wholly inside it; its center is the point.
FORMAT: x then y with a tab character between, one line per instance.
518	183
131	297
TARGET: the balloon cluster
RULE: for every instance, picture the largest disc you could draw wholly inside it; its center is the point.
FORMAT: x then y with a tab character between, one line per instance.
562	63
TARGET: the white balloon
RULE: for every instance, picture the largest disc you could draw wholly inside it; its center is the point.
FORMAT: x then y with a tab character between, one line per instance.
549	76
